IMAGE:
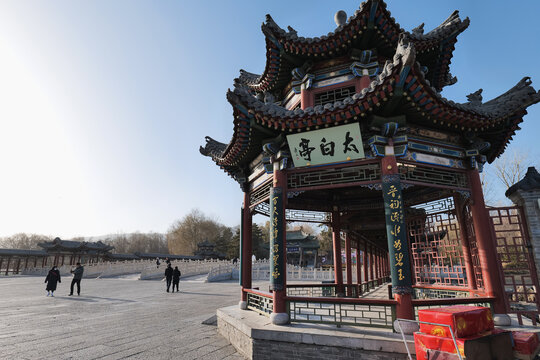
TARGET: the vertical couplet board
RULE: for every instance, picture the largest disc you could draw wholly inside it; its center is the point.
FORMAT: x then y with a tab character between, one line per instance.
276	239
396	234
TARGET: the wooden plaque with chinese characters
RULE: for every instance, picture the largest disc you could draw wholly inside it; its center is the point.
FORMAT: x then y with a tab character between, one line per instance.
332	145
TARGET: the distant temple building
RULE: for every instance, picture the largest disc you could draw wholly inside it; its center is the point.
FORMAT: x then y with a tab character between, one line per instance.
70	252
206	250
302	248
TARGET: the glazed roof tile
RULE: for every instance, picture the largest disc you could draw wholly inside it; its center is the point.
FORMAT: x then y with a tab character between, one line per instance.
496	119
75	245
530	182
435	47
22	252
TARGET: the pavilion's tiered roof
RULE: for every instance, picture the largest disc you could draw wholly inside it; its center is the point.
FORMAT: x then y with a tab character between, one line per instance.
76	246
401	88
371	26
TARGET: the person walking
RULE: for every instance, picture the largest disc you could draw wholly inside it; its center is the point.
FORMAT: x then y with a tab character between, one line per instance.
176	278
53	277
168	276
157	262
77	276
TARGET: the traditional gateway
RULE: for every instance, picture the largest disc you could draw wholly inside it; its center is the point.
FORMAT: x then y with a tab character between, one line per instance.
350	129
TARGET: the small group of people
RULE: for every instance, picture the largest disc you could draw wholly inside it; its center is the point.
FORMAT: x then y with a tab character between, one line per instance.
172	276
53	278
159	262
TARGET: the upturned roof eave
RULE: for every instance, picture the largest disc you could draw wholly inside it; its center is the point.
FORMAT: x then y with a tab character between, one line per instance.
442	113
280	42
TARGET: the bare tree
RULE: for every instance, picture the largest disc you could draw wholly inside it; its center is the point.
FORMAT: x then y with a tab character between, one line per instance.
486	177
511	167
24	241
138	242
186	233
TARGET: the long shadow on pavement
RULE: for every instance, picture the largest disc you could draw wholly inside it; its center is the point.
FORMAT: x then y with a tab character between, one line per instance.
197	293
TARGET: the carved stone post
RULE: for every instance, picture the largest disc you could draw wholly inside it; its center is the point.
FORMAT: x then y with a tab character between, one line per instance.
526	193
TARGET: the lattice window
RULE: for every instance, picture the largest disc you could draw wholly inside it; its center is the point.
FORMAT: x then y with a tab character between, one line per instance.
332	96
473	247
514	254
421	293
297	215
436	245
363	173
260	194
430	175
341	313
261	304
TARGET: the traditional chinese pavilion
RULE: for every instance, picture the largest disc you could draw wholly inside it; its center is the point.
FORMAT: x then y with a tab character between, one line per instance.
350	129
70	252
302	248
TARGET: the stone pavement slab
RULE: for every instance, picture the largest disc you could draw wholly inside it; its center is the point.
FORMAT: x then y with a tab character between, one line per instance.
113	319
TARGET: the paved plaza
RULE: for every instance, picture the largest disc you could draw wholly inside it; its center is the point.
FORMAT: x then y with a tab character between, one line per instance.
113	319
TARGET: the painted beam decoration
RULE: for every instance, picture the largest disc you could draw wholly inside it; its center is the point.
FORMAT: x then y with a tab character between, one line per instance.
276	239
396	234
326	146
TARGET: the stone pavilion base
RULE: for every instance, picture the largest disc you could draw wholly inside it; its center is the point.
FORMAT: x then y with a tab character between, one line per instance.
255	337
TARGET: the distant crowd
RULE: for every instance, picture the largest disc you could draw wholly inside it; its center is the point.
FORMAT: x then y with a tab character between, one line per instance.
172	277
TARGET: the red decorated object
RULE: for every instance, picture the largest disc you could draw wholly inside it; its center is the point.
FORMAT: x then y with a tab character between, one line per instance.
464	320
525	342
425	342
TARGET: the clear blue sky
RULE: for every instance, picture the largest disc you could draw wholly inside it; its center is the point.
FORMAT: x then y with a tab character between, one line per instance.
104	104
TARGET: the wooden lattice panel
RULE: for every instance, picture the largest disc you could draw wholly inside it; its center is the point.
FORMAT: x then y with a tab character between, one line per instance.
436	248
514	254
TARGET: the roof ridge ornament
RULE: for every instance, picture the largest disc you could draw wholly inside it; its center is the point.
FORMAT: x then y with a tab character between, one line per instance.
340	18
419	30
405	51
475	98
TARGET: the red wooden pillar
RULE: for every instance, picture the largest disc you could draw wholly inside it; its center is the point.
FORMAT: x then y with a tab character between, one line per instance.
366	262
7	266
381	260
63	257
26	262
387	264
465	246
279	293
336	238
362	83
348	256
371	264
378	252
18	266
1	261
358	264
247	250
35	261
485	241
306	98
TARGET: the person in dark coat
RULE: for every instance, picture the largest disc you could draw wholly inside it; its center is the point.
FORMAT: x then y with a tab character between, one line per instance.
176	278
168	276
53	277
77	276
